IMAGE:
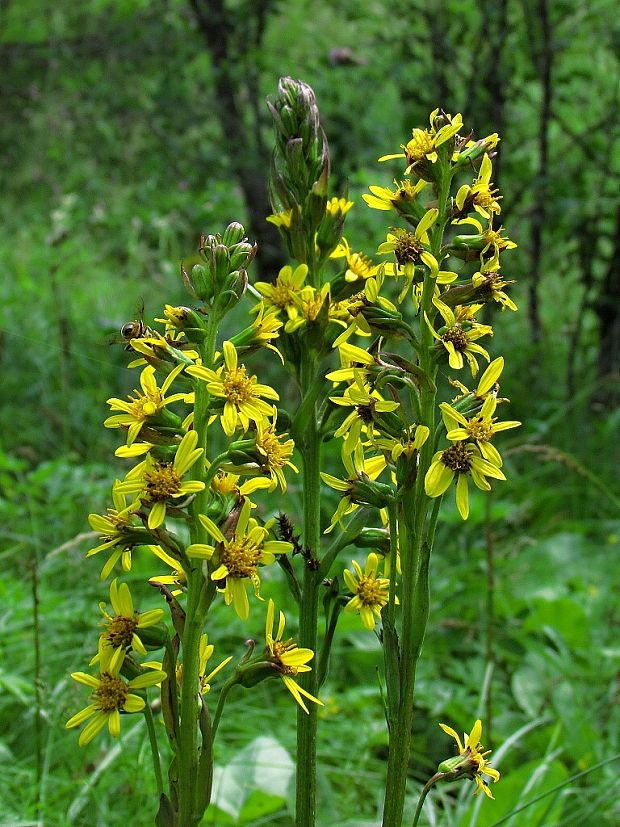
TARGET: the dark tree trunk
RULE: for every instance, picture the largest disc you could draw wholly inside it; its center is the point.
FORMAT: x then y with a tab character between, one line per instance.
542	53
607	309
240	123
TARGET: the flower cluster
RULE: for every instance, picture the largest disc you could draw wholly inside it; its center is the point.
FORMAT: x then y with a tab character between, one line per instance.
190	397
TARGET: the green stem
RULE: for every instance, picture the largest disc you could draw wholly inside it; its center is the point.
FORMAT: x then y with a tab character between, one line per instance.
425	791
391	651
308	610
221	702
200	593
489	615
150	725
415	550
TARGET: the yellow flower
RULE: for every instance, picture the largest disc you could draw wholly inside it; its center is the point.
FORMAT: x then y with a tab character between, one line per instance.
310	302
281	219
288	659
366	404
123	626
241	393
421	149
240	556
359	487
460	460
274	451
359	266
481	195
459	335
480	428
144	406
156	347
177	577
265	327
471	762
158	484
404	194
352	358
371	592
111	696
226	483
411	248
118	529
491	241
338	207
284	294
206	649
487	383
412	439
490	283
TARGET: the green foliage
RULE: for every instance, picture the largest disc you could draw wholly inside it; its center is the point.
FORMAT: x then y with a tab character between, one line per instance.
112	163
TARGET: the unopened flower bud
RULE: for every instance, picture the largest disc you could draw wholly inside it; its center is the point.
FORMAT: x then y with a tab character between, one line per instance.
375	538
233	234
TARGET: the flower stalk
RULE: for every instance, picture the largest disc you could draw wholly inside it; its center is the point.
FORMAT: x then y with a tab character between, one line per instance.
369	346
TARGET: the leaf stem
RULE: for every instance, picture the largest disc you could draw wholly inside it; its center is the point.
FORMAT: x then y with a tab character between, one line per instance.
150	725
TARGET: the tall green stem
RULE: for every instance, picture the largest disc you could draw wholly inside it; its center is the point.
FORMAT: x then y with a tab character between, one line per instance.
416	537
200	592
308	613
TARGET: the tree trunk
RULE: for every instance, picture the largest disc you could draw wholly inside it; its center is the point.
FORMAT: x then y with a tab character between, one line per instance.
240	124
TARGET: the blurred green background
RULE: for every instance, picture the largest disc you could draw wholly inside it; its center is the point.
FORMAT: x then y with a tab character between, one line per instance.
129	127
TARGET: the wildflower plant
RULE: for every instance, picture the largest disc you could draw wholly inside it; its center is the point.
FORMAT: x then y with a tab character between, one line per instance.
373	344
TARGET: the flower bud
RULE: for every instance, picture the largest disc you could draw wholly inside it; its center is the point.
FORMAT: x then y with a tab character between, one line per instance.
242	254
375	538
365	491
255	673
233	234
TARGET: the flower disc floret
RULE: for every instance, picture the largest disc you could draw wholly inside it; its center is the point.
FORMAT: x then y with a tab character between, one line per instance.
458	462
284	294
480	428
111	695
240	557
158	483
123	627
371	592
240	393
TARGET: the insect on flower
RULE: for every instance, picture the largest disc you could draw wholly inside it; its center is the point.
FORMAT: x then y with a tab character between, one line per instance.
134	329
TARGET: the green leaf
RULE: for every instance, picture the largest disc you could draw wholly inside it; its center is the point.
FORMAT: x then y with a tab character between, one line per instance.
564	616
260	804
